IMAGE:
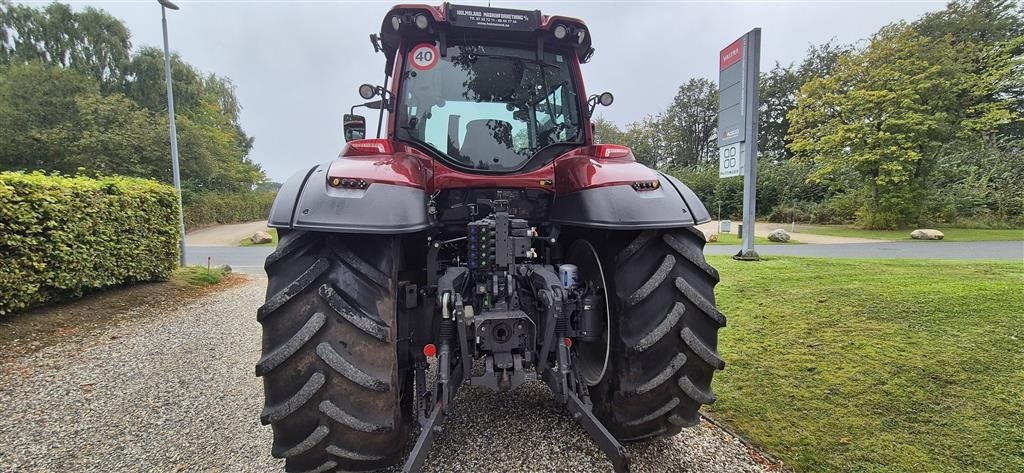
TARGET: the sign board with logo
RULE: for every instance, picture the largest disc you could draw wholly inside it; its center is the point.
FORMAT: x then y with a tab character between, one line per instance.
739	67
494	18
731	95
730	162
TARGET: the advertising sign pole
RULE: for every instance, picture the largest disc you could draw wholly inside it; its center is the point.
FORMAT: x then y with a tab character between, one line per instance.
753	73
738	90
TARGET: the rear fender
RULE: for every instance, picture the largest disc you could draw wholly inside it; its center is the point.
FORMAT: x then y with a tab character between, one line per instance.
392	201
620	193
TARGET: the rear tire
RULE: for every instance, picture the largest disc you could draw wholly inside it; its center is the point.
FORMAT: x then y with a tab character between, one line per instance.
330	363
664	333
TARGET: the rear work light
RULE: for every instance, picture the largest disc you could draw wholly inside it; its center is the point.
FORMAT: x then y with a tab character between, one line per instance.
646	185
611	151
370	147
348	182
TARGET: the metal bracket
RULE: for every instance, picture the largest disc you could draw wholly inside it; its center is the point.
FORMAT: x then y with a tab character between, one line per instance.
614	450
426	439
431	425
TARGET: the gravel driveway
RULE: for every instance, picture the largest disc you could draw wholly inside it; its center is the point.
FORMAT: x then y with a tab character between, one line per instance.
177	393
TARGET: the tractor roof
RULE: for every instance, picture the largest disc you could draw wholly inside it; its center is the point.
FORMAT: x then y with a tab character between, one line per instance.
458	24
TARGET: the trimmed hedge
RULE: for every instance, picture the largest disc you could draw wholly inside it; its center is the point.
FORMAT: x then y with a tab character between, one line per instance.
219	207
61	237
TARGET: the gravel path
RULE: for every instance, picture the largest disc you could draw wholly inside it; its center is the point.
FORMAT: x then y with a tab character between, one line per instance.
762	229
178	394
224	235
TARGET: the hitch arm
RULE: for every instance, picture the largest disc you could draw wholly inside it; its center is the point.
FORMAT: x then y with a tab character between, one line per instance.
614	450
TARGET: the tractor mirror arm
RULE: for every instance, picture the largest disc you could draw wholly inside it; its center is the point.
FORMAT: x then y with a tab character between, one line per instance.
374	105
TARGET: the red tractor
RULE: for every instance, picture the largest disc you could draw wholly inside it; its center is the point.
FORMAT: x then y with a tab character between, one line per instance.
486	239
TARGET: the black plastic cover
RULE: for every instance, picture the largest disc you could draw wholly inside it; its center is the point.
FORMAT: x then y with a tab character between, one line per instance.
306	202
672	204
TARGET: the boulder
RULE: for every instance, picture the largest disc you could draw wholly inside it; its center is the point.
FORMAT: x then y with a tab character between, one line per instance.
261	237
926	234
779	235
226	268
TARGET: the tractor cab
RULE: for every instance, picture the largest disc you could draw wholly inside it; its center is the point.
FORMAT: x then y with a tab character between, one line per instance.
484	90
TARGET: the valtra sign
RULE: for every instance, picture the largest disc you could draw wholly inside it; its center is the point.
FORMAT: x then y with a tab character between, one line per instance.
730	55
739	67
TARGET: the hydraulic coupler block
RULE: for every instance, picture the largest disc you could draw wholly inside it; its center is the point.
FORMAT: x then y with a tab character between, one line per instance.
496	242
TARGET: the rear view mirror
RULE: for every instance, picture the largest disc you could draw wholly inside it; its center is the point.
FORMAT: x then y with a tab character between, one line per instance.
354	127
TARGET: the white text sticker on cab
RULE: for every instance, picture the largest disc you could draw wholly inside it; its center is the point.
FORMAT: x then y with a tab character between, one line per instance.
423	56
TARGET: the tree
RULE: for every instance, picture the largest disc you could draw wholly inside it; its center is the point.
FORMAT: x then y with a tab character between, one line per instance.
73	100
883	117
33	98
989	38
690	123
110	135
606	132
778	96
91	41
144	82
647	139
778	89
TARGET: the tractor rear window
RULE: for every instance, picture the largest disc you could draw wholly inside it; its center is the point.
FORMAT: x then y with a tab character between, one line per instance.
489	108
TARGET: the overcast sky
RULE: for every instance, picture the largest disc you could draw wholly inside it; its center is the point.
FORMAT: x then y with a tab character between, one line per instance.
297	65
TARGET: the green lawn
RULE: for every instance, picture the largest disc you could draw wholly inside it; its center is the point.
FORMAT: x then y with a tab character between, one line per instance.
248	242
951	234
875	365
732	239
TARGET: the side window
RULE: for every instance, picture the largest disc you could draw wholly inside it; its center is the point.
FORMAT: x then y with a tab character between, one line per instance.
551	116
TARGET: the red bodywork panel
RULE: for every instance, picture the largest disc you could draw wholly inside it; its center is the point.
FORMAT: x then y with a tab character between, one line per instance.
576	170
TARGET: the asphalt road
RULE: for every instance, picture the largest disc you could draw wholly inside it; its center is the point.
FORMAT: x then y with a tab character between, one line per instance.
976	250
173	390
250	259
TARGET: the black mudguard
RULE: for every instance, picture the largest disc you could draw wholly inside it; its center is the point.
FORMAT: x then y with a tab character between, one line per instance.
306	202
671	205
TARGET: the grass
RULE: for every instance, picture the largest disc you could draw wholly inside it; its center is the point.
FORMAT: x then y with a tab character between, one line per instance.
199	275
875	365
732	239
247	241
951	234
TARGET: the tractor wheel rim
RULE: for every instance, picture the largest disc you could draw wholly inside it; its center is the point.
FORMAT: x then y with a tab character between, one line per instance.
592	357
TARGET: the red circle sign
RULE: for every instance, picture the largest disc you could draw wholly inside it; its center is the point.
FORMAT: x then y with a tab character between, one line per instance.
423	56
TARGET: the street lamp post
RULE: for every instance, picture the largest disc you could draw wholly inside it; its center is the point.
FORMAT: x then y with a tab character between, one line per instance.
164	5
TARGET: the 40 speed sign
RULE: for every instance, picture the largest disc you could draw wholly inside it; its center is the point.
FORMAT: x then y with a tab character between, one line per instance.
730	160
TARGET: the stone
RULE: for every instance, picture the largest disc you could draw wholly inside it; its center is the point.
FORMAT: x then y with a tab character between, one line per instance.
926	234
260	238
779	235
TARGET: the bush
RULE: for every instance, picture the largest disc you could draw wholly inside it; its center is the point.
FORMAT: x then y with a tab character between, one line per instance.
226	207
61	237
